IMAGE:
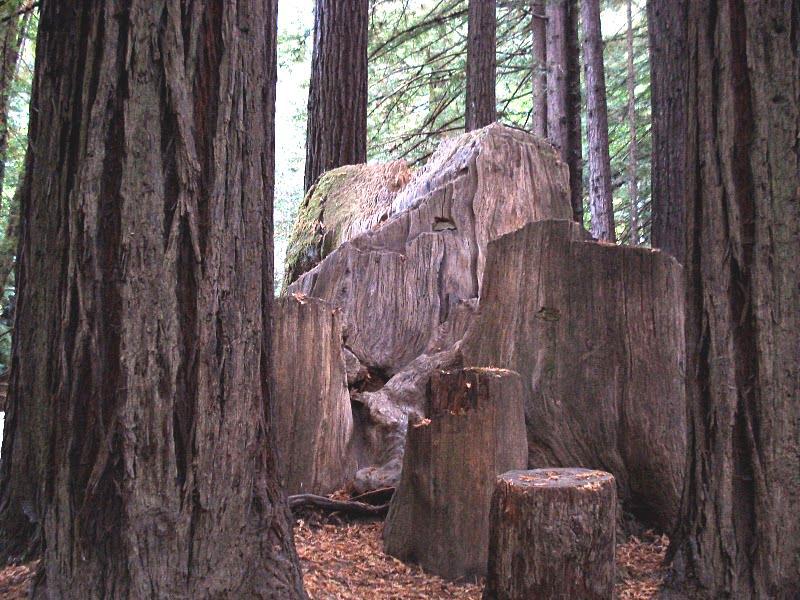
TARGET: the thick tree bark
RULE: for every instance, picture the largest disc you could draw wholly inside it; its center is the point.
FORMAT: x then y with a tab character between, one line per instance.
667	26
633	150
141	367
564	94
601	204
481	65
741	534
539	31
552	535
337	96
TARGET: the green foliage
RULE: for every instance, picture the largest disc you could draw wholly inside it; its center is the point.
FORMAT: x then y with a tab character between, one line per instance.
17	142
417	84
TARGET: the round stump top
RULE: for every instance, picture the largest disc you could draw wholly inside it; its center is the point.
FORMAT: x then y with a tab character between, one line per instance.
557	478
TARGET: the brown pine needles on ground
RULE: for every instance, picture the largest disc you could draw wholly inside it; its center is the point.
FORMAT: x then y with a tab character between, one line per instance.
346	562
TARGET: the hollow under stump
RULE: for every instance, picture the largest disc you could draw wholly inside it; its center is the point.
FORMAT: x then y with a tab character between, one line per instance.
552	535
439	516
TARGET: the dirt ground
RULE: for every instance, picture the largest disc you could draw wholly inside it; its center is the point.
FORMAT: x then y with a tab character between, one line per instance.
345	561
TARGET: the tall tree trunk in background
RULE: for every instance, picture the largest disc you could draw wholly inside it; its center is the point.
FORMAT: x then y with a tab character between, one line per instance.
141	364
667	26
740	533
539	59
564	93
481	65
337	96
13	32
601	204
633	183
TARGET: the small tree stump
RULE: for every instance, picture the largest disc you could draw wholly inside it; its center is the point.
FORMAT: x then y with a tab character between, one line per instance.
552	535
439	516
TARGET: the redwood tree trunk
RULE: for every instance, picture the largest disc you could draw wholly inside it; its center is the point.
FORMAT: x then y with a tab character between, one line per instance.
667	25
337	97
141	365
601	206
741	534
633	182
564	94
481	64
539	31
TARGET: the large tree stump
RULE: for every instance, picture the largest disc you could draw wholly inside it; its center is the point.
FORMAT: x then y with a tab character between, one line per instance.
596	333
439	516
552	535
312	414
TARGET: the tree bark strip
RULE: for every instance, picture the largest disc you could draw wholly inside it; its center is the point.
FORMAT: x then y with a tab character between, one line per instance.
13	32
564	94
601	204
481	65
141	374
667	26
539	31
741	534
633	149
337	96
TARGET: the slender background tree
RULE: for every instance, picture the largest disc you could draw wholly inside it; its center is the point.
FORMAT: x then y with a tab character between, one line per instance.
601	206
140	387
337	97
564	93
539	45
481	65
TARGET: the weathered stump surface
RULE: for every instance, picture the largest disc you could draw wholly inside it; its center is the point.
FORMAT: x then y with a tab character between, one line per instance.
342	204
407	286
312	416
439	516
552	536
596	331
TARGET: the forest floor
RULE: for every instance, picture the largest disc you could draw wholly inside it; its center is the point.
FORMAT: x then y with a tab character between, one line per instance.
345	561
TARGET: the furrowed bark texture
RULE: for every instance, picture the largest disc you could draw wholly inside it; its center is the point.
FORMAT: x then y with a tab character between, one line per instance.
552	535
596	331
601	207
539	59
481	65
337	96
141	377
667	26
564	94
741	534
312	416
439	516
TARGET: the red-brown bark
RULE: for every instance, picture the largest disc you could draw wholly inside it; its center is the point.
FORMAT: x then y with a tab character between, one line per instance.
141	376
481	65
337	96
741	535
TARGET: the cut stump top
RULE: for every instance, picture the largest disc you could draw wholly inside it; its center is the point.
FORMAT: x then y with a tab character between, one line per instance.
535	479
